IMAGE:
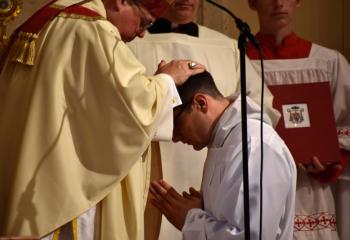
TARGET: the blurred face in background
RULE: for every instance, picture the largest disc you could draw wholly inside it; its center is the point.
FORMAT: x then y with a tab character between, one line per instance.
274	14
182	11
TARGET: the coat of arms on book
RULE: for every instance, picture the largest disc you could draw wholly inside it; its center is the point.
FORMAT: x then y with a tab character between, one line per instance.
296	115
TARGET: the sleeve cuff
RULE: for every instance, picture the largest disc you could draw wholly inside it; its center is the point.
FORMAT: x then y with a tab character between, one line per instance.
175	98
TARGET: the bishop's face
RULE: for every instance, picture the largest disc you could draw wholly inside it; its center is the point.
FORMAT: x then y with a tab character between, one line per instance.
130	19
274	14
182	11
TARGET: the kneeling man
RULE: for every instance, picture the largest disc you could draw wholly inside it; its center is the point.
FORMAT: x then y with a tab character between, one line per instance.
207	119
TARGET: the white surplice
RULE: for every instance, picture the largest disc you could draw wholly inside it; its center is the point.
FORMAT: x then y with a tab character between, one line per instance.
322	65
315	201
222	184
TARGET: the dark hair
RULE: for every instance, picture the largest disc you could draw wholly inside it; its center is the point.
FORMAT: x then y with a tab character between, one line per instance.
199	83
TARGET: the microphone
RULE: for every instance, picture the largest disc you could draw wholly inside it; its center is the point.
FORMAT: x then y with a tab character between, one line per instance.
242	26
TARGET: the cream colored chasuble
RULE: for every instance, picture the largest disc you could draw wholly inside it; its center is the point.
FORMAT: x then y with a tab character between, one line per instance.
75	130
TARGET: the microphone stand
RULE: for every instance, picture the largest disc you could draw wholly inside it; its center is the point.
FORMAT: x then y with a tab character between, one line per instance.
242	40
241	47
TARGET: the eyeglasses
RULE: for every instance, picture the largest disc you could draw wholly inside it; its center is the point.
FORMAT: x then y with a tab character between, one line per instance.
146	22
184	106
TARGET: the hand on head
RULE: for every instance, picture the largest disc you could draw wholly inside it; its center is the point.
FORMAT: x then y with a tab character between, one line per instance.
180	70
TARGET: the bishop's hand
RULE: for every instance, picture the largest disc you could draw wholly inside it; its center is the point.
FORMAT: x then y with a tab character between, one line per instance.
180	70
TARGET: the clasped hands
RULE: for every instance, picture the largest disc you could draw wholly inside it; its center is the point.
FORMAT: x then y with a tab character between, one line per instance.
173	205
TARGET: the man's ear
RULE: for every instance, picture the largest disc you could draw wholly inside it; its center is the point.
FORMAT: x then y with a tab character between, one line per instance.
201	102
298	2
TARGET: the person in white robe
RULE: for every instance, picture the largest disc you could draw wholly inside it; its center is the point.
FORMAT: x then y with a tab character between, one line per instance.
176	35
290	59
77	115
207	119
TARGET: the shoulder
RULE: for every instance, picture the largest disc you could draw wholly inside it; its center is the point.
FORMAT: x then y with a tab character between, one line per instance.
276	152
271	139
88	16
320	52
332	59
205	32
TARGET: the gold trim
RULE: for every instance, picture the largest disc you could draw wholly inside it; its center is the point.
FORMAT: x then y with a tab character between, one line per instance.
56	234
75	228
23	49
79	16
57	6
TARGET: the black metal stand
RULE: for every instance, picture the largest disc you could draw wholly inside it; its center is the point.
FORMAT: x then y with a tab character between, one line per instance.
242	40
242	49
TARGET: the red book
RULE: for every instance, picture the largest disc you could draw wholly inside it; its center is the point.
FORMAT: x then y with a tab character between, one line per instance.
307	124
